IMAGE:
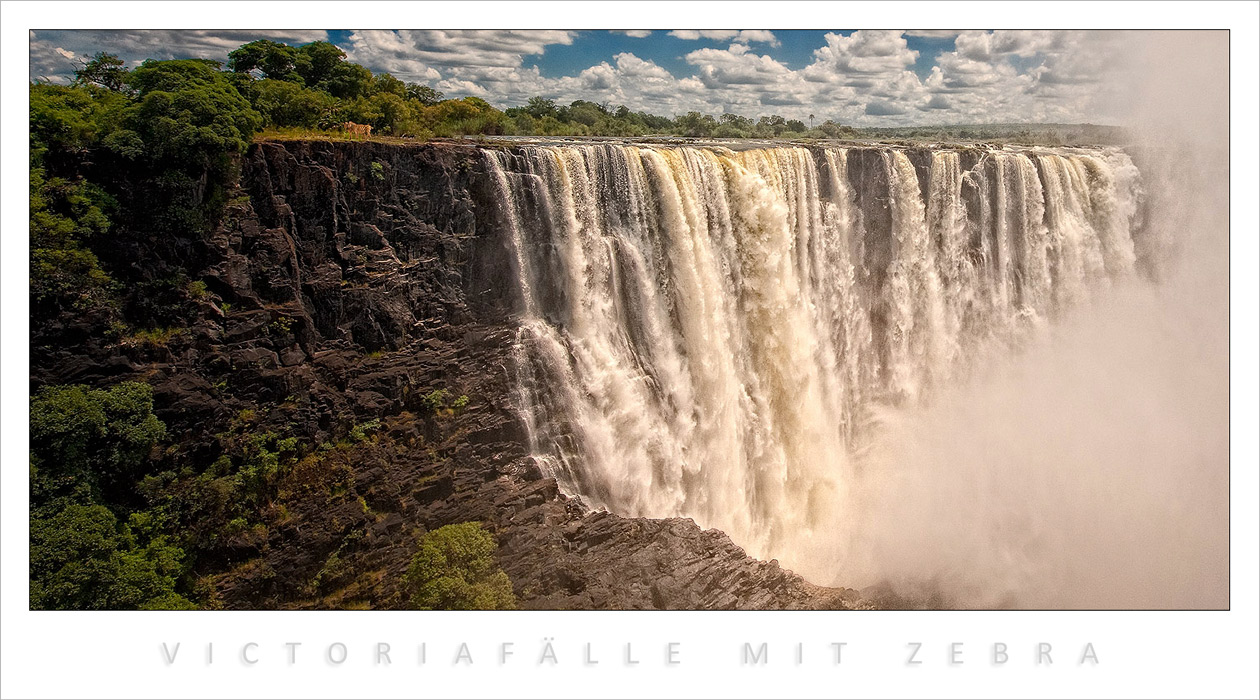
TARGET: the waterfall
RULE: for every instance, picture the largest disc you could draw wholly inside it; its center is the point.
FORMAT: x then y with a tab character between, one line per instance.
714	334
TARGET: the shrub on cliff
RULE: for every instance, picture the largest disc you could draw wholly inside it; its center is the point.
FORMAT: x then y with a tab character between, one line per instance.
122	152
284	103
87	448
455	570
189	113
66	211
91	442
65	215
82	560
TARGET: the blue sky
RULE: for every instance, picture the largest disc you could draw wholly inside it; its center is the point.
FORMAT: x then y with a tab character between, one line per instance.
857	77
795	50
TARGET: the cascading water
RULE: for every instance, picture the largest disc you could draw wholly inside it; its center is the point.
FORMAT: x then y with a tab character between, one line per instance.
716	334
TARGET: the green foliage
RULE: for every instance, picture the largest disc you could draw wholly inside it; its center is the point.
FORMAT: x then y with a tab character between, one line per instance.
65	215
837	131
82	559
188	113
423	94
281	327
256	461
109	533
696	124
388	84
103	70
171	126
90	446
154	337
209	512
93	441
362	431
538	107
435	399
441	403
283	103
314	87
455	570
470	115
323	66
68	119
276	61
317	61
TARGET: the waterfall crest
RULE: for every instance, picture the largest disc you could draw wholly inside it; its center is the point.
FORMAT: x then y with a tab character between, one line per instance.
714	334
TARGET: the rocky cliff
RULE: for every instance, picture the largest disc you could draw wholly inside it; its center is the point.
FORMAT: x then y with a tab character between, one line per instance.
355	289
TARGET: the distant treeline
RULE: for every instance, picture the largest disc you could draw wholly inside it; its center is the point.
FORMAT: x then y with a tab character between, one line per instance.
314	88
1036	134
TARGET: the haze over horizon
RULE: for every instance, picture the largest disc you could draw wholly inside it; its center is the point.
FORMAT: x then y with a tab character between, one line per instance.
863	78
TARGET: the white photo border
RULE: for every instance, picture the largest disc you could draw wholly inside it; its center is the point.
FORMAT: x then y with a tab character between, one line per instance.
121	654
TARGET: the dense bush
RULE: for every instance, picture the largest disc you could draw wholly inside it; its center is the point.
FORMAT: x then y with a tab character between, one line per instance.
91	443
455	570
65	216
284	103
82	559
88	447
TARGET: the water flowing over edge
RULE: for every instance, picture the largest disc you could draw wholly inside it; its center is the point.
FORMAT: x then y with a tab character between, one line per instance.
718	335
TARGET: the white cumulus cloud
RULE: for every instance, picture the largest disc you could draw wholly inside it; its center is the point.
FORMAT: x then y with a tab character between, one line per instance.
743	36
861	77
53	53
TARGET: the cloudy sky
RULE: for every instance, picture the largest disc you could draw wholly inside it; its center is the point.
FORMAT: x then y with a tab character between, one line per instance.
854	77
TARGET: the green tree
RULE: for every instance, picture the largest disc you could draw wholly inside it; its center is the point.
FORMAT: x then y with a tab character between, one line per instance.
772	125
284	103
348	81
695	124
91	441
386	83
68	120
81	559
455	570
522	123
66	211
188	113
836	131
587	113
386	112
315	61
103	70
276	61
65	275
180	131
423	94
538	107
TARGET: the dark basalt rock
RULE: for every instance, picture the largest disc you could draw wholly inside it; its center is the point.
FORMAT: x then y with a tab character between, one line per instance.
360	277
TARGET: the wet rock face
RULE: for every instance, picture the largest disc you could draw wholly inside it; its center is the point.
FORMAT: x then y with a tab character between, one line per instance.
347	282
